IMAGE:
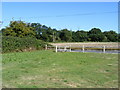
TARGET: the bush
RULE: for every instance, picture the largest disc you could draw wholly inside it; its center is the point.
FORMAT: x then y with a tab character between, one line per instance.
10	44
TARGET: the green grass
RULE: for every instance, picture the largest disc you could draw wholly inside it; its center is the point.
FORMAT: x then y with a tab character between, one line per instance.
47	69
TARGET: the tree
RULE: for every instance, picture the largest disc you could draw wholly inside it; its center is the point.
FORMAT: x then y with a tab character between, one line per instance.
96	37
37	29
119	37
95	31
80	36
66	35
73	36
18	29
42	32
112	36
96	34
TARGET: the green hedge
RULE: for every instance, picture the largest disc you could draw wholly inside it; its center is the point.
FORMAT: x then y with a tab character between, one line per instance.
10	44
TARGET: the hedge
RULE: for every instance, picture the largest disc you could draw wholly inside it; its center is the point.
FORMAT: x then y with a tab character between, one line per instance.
10	44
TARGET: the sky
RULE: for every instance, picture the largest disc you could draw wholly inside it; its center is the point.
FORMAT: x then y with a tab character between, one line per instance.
60	0
60	15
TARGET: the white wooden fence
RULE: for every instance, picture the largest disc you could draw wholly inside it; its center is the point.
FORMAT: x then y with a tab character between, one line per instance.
82	47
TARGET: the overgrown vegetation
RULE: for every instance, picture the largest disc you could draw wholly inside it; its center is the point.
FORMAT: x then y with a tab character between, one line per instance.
42	32
17	44
21	36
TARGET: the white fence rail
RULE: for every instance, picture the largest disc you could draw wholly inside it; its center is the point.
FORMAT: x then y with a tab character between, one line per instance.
83	48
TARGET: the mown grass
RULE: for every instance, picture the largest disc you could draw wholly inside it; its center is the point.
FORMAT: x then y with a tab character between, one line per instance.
47	69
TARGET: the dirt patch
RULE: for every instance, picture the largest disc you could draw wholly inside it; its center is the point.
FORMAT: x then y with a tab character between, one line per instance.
110	44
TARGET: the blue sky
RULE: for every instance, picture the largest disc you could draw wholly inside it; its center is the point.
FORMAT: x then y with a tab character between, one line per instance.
60	15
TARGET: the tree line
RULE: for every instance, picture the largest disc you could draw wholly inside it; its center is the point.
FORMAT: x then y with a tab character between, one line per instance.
42	32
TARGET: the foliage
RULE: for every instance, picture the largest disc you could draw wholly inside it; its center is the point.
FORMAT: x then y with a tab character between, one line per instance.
80	36
66	35
47	34
10	44
118	37
96	35
18	29
111	36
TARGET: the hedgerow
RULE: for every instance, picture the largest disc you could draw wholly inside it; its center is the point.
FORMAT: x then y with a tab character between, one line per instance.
10	44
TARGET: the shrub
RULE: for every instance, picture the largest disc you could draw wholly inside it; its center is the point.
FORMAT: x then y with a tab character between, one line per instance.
10	44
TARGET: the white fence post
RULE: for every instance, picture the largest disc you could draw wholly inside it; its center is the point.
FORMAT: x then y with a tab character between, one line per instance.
65	48
104	49
56	49
83	48
45	47
70	48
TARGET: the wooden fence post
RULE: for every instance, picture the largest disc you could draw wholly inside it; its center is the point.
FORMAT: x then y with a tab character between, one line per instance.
104	49
83	48
56	49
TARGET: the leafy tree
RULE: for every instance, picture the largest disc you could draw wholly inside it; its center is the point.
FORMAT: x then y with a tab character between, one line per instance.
37	29
80	36
112	36
105	39
96	37
73	36
56	36
44	37
18	29
66	35
95	31
44	27
42	32
96	34
119	37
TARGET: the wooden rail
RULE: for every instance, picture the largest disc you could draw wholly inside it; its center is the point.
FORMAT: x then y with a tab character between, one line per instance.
81	47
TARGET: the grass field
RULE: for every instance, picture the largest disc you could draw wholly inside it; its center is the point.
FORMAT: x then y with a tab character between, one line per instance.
47	69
